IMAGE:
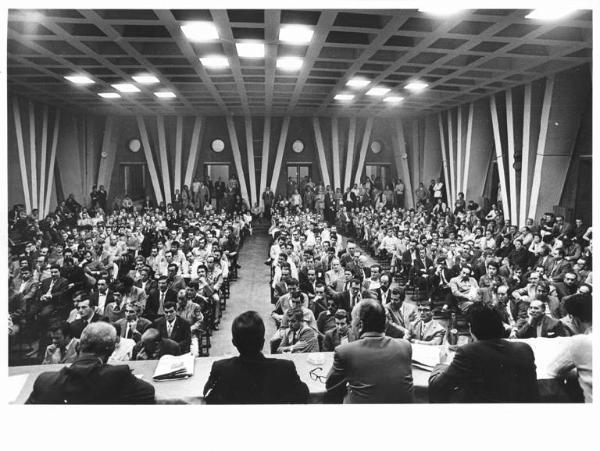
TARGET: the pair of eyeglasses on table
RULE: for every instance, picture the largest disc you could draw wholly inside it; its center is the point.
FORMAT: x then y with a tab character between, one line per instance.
317	377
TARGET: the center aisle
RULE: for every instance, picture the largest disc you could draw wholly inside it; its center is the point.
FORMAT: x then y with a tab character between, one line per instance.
249	292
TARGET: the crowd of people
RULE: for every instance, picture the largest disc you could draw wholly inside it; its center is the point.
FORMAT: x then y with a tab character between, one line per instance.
159	274
348	270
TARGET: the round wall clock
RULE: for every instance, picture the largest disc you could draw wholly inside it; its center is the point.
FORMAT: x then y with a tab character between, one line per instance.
375	147
297	146
134	145
217	145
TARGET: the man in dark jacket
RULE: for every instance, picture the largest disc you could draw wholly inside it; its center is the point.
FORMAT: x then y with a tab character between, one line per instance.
89	380
252	378
490	369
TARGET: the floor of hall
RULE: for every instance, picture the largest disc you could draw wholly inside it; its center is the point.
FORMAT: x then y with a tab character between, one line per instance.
249	292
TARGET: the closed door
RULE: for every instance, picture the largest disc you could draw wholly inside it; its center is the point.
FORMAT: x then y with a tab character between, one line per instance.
134	180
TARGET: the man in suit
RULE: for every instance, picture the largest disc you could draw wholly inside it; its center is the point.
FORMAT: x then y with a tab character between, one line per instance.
251	378
374	368
145	282
153	346
64	347
421	270
560	266
382	294
174	328
340	334
490	369
87	314
53	296
399	314
335	276
133	326
22	292
348	298
438	287
296	334
102	296
426	330
89	380
539	324
157	299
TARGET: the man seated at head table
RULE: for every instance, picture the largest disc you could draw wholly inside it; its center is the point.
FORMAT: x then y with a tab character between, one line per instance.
576	352
251	378
490	369
374	368
153	346
89	380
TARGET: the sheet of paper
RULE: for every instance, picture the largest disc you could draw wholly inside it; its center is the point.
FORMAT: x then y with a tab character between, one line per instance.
15	386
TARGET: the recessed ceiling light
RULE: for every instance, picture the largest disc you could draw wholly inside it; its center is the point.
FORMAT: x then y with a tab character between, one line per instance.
80	79
250	49
344	97
416	86
442	10
358	82
109	95
393	99
214	61
145	79
296	34
289	63
165	94
126	87
550	13
380	91
200	31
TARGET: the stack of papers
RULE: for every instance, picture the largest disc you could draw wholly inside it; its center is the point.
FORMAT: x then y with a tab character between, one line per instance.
172	367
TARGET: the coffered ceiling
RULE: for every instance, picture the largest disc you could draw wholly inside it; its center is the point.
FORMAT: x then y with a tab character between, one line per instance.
463	57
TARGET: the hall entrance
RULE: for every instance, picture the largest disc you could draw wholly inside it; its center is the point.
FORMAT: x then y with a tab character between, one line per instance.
379	172
216	170
134	176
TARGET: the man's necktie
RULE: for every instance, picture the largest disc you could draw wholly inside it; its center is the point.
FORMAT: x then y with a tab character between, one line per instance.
169	329
129	330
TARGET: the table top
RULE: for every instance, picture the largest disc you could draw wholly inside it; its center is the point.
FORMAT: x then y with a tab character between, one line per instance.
189	391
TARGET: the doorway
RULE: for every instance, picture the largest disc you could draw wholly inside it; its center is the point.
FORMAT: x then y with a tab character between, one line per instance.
298	171
134	179
583	201
214	171
378	172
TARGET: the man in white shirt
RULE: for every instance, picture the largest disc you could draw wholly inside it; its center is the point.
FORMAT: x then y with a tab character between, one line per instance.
123	348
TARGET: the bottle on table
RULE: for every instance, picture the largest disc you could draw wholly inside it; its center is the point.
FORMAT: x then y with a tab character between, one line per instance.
452	332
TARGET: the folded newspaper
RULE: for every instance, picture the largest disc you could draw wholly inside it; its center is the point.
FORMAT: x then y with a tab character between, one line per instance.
172	367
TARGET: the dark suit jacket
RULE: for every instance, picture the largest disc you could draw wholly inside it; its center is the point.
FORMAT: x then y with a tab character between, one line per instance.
140	327
153	301
181	332
551	328
89	381
59	291
333	339
487	371
166	347
78	325
95	294
254	380
376	369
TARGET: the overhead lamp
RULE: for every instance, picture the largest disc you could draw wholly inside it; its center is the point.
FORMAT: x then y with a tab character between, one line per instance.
550	13
126	87
165	94
214	61
200	31
344	97
80	79
145	79
416	86
393	99
358	82
296	34
109	95
250	49
442	10
379	91
289	63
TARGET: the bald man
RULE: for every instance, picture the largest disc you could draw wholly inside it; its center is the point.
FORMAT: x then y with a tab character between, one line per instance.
89	380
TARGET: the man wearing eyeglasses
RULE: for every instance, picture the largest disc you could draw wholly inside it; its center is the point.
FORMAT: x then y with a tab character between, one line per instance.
374	368
426	330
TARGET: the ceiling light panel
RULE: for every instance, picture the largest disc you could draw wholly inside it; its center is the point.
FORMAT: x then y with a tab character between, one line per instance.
200	31
215	62
109	95
289	63
126	87
416	86
80	79
358	82
250	49
379	91
344	97
146	79
550	13
296	34
165	95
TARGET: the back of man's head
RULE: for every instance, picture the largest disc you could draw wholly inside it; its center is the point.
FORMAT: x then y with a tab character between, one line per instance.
485	322
580	307
372	315
248	333
98	338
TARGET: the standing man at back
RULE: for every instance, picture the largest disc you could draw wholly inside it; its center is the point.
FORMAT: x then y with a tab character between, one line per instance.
252	378
375	368
491	369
